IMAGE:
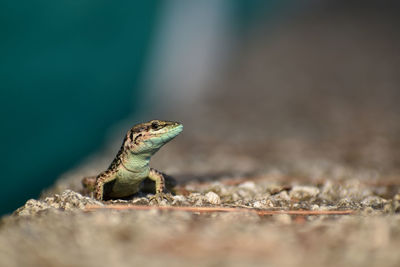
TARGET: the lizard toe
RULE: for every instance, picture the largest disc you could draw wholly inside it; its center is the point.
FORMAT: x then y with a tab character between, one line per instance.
159	197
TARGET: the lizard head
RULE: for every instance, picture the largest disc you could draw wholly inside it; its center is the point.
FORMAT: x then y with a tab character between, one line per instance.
150	136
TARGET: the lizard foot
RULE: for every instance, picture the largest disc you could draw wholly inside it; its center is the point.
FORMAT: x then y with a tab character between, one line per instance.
159	197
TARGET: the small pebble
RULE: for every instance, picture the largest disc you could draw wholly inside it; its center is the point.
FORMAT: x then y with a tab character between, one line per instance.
179	198
248	185
258	205
282	196
303	192
213	198
374	202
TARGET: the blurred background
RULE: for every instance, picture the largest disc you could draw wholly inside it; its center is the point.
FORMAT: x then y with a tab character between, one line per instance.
258	85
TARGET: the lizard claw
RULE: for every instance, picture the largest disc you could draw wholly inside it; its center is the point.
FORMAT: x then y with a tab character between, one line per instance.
159	197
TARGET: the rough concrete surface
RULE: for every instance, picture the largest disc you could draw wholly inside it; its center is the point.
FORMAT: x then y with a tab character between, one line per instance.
58	231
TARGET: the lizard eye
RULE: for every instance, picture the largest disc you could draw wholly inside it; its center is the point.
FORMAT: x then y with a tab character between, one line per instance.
155	125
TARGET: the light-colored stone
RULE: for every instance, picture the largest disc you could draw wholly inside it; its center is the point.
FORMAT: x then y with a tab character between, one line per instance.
213	198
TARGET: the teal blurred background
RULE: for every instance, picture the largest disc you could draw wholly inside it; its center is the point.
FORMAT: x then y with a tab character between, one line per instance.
69	71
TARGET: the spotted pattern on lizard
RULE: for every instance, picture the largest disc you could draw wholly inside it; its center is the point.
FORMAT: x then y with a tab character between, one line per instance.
130	166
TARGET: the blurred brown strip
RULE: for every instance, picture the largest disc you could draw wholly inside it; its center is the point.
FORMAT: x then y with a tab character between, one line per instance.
222	209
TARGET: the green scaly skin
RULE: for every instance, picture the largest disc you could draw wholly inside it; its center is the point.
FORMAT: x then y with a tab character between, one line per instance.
130	167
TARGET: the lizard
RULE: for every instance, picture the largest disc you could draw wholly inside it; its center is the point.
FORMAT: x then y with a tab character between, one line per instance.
130	166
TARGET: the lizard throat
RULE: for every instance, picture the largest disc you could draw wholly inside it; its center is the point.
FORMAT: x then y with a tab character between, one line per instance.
130	170
136	163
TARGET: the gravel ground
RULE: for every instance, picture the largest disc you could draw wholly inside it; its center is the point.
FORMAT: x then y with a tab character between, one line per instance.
61	230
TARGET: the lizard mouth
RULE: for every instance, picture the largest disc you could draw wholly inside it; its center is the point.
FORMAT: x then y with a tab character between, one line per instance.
157	139
170	132
177	129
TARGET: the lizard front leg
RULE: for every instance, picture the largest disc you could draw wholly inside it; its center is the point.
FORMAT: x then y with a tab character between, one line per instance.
101	180
159	179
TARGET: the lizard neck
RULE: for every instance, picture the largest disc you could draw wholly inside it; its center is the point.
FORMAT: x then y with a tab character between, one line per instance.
137	162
